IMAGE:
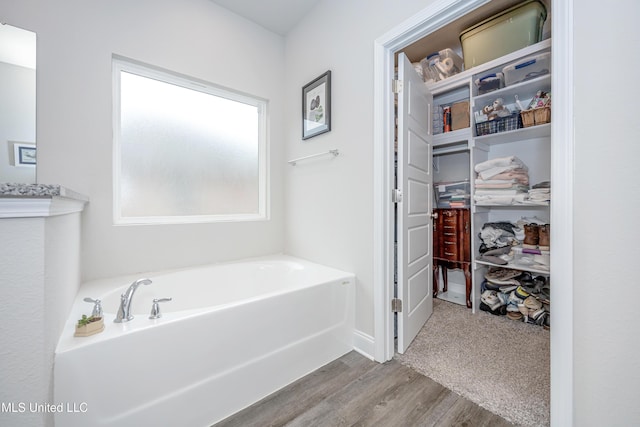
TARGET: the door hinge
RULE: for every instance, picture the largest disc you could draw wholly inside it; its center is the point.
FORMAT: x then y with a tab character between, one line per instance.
396	86
396	195
396	305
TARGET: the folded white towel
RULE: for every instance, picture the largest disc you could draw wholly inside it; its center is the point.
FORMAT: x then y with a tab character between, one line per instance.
495	171
512	190
500	162
495	181
492	199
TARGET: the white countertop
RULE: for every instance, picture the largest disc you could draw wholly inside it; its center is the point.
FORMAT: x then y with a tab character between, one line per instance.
38	200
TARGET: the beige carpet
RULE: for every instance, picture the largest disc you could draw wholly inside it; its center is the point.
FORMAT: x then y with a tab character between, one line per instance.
500	364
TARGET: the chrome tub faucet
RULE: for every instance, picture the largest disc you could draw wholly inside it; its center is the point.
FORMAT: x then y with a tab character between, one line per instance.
124	312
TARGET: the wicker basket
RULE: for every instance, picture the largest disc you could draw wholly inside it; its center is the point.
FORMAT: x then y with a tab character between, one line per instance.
536	116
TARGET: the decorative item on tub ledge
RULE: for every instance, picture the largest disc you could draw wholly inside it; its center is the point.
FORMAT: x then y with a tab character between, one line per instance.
89	326
316	106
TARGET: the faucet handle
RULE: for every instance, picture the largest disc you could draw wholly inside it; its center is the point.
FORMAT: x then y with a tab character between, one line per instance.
155	307
97	306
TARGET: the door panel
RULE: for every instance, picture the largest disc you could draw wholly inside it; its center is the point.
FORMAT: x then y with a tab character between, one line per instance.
418	237
419	153
415	181
418	194
416	289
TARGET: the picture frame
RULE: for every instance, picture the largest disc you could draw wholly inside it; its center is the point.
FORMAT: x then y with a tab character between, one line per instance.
24	154
316	106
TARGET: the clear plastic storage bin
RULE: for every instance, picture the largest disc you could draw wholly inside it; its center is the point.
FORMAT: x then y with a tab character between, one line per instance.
452	194
489	83
527	68
503	33
440	65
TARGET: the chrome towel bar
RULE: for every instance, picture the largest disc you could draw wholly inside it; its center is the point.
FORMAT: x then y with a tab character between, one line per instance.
334	153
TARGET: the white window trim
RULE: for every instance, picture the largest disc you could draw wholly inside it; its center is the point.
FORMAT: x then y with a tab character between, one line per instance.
121	64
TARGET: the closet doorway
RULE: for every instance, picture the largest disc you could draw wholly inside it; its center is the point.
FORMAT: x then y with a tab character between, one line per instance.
420	26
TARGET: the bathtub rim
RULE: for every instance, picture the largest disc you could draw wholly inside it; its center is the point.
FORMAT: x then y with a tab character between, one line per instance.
67	342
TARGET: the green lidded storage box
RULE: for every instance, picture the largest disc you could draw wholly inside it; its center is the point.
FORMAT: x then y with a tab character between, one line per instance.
503	33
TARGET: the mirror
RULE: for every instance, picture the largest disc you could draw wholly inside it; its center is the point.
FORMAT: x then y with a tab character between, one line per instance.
17	105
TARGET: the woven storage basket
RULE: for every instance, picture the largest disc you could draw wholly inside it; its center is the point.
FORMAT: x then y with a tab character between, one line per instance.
536	116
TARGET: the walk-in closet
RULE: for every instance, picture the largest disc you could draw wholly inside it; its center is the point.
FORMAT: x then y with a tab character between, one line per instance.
489	126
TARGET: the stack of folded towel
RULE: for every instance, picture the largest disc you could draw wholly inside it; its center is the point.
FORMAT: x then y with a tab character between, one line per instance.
540	194
501	181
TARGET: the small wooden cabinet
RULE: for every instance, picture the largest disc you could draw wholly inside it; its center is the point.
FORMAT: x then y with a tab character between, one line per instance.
452	246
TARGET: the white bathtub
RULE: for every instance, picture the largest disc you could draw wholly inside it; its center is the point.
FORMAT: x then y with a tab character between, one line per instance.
232	334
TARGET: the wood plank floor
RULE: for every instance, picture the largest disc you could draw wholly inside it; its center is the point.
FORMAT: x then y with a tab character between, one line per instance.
354	391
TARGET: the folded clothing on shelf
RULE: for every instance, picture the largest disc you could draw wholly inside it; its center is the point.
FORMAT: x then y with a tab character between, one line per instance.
493	167
496	235
540	192
505	181
501	181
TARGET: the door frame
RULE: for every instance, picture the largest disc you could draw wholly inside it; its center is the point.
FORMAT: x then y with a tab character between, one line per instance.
438	14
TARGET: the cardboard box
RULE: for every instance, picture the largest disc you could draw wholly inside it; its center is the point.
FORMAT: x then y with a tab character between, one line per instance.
460	115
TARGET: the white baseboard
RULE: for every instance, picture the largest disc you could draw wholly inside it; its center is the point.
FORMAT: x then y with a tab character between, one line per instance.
364	344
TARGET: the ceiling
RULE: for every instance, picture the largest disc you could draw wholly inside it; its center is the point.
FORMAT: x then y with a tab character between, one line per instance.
279	16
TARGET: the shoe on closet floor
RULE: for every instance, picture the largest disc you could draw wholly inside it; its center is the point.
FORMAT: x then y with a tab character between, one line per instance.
514	315
513	302
507	289
500	311
523	309
503	297
532	303
491	299
547	322
502	276
539	317
545	294
536	285
521	293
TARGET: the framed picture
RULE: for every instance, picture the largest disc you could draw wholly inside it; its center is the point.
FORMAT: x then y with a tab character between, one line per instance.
316	106
24	154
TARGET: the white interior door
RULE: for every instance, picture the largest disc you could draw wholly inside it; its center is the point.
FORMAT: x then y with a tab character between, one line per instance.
415	183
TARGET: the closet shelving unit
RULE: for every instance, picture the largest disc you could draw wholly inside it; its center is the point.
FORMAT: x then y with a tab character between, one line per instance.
530	144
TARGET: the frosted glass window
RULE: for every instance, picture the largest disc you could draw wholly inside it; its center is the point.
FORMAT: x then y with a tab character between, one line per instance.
186	151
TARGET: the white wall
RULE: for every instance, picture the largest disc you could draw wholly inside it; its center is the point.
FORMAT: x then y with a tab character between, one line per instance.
62	248
328	209
39	278
17	119
607	204
22	274
451	167
329	202
76	40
